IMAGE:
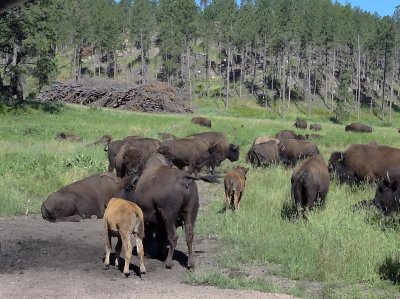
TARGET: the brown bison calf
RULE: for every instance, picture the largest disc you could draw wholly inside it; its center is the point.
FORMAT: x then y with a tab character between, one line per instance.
202	121
310	183
300	124
121	219
234	183
315	127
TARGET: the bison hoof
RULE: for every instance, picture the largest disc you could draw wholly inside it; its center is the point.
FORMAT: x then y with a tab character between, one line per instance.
169	265
142	270
105	267
125	274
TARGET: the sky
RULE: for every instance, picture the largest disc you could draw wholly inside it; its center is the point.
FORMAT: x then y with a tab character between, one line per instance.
382	7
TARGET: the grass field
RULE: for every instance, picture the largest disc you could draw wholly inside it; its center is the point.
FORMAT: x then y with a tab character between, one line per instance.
347	251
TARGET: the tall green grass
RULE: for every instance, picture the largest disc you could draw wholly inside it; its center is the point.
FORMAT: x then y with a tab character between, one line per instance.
343	248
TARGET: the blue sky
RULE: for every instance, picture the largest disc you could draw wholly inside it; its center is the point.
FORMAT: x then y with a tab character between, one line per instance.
382	7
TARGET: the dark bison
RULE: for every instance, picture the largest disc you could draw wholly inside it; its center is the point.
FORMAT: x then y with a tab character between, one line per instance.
315	127
310	184
192	152
130	161
202	121
67	137
312	136
288	134
292	150
234	183
300	124
263	154
387	196
81	199
363	162
229	151
168	198
148	146
357	127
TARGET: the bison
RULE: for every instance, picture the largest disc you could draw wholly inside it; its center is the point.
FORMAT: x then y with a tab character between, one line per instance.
357	127
387	196
312	136
229	151
104	140
315	127
129	161
310	184
166	136
201	121
288	134
264	139
363	162
121	219
292	150
234	183
263	154
300	124
67	137
148	146
168	198
192	152
81	199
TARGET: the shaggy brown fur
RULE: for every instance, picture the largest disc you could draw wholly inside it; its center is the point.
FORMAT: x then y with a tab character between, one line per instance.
234	183
121	219
315	127
202	121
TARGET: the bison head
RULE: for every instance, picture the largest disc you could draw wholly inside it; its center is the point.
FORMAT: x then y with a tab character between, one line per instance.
233	154
387	197
133	161
337	166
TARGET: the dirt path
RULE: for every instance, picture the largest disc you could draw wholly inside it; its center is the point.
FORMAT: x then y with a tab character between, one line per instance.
39	259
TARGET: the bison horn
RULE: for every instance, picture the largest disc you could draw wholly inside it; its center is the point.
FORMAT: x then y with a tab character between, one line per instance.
387	175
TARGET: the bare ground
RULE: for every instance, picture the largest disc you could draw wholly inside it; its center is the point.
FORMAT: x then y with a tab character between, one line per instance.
39	259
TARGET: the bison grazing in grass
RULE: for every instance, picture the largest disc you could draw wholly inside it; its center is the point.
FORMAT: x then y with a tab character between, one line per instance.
363	162
263	154
357	127
229	151
67	137
202	121
168	198
121	219
81	199
315	127
310	184
387	196
234	183
292	150
288	134
300	124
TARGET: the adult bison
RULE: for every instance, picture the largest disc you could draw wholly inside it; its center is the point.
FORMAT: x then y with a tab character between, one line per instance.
168	198
148	146
192	152
387	196
300	124
288	134
229	151
310	184
263	154
130	161
201	121
357	127
81	199
363	162
292	150
315	127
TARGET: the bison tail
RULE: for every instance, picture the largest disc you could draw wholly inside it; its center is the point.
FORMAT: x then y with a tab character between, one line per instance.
294	190
139	227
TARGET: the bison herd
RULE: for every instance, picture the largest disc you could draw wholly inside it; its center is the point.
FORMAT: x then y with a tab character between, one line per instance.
154	190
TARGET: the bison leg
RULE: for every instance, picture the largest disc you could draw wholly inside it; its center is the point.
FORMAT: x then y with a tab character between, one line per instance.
128	252
189	239
140	251
108	248
118	248
172	239
236	200
227	199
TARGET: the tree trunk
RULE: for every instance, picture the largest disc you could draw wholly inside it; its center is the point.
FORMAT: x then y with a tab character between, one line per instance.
207	64
309	85
264	76
333	77
241	71
115	65
358	78
142	58
384	81
189	73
